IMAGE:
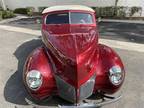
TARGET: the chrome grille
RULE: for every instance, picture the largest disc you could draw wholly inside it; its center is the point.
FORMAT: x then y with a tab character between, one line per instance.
66	91
87	88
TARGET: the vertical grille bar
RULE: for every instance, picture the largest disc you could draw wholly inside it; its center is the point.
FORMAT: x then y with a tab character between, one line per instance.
87	88
66	91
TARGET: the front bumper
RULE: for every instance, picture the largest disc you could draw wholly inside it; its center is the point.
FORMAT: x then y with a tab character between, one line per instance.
93	105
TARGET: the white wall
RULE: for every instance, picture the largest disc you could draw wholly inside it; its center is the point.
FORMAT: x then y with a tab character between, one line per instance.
12	4
93	3
129	2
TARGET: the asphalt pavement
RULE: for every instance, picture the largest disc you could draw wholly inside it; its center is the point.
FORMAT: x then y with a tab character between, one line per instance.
15	47
123	30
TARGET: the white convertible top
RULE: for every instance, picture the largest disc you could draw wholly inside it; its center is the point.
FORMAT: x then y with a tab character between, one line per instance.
67	7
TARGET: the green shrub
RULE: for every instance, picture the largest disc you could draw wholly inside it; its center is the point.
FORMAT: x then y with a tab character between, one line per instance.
117	12
121	12
30	11
104	11
21	11
94	8
110	12
27	11
1	9
135	10
41	9
0	15
7	14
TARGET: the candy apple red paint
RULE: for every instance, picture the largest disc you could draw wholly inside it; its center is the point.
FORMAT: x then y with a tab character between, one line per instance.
72	63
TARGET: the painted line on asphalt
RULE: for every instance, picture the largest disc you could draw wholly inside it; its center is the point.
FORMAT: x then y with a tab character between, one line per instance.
112	43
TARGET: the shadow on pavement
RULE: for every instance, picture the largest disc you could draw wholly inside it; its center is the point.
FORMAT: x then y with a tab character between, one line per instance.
14	90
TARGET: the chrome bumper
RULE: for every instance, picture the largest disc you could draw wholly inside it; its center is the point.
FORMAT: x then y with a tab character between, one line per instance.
92	105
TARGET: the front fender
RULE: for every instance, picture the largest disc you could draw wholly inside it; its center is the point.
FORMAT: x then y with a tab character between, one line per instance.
107	58
38	60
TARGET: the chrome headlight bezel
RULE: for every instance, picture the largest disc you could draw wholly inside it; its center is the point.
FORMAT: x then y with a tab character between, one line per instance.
116	75
34	79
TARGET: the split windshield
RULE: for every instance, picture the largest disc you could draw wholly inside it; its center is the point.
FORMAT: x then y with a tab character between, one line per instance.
69	18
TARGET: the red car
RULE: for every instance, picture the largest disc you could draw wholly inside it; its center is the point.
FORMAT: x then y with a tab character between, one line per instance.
72	63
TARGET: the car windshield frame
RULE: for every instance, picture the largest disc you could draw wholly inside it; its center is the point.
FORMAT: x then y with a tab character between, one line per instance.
70	19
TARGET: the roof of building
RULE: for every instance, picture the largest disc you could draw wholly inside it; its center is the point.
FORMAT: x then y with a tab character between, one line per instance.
67	7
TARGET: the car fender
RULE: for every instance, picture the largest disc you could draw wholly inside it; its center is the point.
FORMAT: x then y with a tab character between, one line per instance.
38	60
107	58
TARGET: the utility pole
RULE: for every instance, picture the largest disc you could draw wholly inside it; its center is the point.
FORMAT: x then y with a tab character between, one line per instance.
115	7
3	5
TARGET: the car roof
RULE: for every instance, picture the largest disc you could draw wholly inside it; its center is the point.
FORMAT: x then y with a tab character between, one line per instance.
67	7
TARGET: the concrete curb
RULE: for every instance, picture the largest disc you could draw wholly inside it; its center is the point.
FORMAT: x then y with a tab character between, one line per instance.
18	17
112	43
123	21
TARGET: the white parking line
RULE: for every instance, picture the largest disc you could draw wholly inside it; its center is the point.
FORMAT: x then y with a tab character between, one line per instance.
112	43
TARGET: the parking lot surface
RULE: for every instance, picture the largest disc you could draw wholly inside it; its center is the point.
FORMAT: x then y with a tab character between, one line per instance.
15	47
130	31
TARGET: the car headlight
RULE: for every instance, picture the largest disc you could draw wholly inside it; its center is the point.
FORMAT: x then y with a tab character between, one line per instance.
116	75
34	79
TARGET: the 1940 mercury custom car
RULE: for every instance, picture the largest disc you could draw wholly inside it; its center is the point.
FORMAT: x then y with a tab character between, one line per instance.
72	63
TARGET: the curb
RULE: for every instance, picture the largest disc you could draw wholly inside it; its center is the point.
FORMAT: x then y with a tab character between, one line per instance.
18	17
112	43
123	21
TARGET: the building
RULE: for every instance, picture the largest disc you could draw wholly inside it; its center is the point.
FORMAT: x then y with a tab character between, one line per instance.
12	4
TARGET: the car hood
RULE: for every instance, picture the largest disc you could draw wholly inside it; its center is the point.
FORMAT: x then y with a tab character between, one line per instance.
73	50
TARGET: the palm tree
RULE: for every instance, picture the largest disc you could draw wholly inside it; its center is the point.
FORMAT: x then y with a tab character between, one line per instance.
3	5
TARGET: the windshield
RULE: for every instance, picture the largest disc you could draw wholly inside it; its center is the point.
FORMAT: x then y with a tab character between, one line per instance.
59	18
80	18
69	18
